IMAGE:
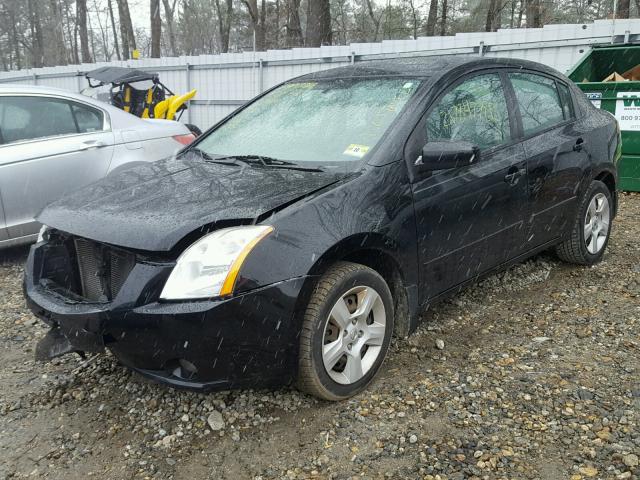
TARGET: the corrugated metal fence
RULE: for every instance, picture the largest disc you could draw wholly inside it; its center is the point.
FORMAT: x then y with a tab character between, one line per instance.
226	81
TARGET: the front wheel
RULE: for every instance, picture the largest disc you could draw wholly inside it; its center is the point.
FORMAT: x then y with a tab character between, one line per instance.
346	332
591	229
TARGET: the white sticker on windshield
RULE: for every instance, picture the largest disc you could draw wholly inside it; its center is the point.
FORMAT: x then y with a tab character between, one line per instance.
356	150
408	85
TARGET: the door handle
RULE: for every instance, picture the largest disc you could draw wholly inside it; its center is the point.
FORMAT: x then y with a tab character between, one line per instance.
579	144
92	144
514	174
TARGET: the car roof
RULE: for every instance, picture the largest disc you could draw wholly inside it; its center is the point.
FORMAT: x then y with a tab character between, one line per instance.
15	89
423	66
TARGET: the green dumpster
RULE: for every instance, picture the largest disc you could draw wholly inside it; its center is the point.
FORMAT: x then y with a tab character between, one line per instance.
621	98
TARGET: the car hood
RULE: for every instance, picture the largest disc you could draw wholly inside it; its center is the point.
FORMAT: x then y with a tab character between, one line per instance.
153	206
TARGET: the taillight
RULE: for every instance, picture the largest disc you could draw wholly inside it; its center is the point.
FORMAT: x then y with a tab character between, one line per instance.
185	139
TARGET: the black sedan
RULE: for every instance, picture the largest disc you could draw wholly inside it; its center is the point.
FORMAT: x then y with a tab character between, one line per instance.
293	239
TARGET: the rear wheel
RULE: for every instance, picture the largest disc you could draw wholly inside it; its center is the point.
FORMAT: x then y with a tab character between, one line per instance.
346	332
590	233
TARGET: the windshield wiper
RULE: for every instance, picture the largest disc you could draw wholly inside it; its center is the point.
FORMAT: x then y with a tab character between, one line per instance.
208	158
266	162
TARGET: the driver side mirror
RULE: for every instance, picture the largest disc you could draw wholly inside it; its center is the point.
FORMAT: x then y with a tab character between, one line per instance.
446	155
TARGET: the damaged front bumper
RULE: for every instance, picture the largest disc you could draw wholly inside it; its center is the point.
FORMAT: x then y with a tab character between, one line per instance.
247	340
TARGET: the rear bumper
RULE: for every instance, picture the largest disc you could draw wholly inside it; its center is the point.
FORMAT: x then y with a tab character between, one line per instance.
247	340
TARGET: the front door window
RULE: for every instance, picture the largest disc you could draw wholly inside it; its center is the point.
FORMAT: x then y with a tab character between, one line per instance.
475	111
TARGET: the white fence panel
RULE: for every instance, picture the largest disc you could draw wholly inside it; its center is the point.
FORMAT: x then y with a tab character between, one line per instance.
226	81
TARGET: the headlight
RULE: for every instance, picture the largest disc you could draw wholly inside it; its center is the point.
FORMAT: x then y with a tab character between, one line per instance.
209	267
41	234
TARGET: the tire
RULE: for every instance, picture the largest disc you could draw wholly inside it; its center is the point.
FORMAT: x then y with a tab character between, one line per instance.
193	129
346	292
581	247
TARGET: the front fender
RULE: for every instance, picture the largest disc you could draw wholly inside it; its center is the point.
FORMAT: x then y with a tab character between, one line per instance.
372	212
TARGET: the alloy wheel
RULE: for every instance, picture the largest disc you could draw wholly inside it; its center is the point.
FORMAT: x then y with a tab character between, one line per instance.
353	335
596	223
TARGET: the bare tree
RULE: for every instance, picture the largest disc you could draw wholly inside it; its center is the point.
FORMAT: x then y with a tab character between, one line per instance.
342	20
624	6
443	19
432	18
294	27
156	27
104	34
126	29
11	13
318	23
81	18
534	13
258	17
35	26
113	29
494	13
224	23
59	48
169	12
413	10
375	19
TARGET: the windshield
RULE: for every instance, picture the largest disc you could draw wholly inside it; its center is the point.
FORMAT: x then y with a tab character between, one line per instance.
327	122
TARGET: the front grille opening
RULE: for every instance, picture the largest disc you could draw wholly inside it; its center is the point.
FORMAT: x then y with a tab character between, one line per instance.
59	270
102	269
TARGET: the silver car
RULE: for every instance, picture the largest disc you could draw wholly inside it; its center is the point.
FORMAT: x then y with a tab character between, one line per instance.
53	142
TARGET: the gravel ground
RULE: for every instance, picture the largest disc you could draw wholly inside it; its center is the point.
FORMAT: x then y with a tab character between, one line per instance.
532	374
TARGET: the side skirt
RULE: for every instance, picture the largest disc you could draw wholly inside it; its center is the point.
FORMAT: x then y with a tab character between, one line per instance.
487	273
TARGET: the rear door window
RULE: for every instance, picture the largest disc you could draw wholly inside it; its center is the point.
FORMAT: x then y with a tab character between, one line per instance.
567	101
474	111
27	118
538	100
88	119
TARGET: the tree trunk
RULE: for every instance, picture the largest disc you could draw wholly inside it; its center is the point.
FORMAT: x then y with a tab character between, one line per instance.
14	39
37	43
257	16
521	13
432	18
169	11
374	19
58	34
624	6
156	27
294	27
93	42
126	29
443	20
224	24
104	34
126	49
71	34
534	14
493	12
513	13
318	23
113	29
76	42
276	33
262	36
414	19
81	18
